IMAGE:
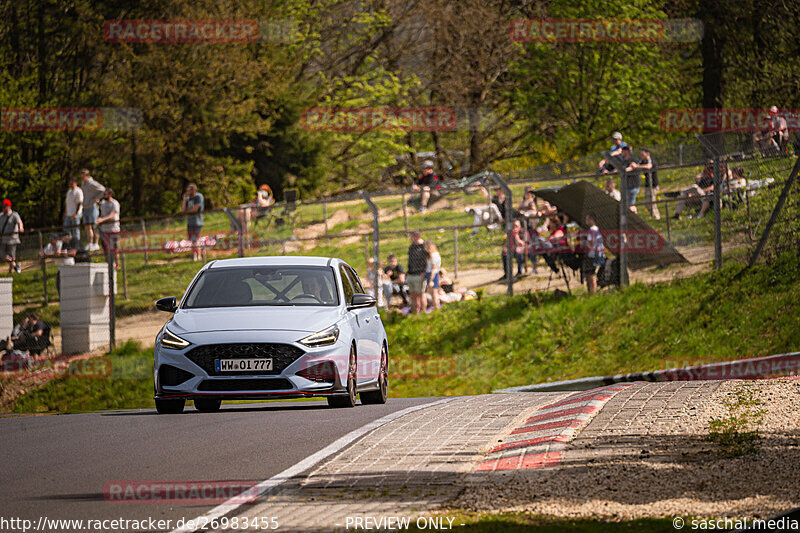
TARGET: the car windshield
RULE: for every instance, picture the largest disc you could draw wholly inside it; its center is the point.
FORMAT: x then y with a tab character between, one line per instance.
263	286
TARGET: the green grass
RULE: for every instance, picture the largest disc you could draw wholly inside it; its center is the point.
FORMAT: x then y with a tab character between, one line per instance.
129	386
513	522
477	346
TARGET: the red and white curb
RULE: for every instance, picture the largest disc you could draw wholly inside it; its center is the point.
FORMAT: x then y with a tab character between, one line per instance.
541	440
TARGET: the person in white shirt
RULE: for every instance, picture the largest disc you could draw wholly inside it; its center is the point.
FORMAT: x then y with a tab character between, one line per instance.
57	249
612	192
73	209
108	223
432	272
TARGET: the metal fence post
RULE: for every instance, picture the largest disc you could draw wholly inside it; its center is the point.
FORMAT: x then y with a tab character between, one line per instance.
405	213
623	218
112	304
44	267
717	214
325	218
44	279
144	240
376	236
509	222
455	253
124	277
666	210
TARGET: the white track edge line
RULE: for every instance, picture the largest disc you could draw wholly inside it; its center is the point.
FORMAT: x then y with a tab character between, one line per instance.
337	445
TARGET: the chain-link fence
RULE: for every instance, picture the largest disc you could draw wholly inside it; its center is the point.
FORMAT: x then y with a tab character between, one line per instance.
495	234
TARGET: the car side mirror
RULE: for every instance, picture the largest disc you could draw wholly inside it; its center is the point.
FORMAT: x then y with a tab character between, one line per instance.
360	301
168	304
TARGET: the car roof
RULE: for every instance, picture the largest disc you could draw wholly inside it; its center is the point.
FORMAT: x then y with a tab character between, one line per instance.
279	260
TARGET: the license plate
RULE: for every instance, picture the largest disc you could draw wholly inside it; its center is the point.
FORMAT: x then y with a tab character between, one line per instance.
242	365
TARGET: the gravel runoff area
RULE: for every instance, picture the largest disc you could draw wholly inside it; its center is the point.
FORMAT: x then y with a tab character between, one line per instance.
646	454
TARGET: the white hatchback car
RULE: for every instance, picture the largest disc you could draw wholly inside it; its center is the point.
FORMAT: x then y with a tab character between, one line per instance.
271	327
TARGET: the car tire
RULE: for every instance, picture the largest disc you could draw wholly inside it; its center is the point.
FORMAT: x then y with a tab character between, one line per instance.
379	396
207	405
350	399
170	406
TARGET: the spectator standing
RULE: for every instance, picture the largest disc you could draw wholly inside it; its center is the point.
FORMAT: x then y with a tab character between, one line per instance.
594	253
647	164
631	181
514	247
612	191
394	281
108	223
427	180
73	208
193	205
10	228
604	167
92	194
415	279
432	268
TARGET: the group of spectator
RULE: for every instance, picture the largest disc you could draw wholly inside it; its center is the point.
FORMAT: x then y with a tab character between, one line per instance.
553	243
635	170
424	284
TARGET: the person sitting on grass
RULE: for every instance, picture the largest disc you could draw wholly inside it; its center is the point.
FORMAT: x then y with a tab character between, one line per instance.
31	335
704	184
394	281
427	180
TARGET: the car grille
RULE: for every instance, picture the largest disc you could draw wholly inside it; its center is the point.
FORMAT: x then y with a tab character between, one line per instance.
282	356
219	385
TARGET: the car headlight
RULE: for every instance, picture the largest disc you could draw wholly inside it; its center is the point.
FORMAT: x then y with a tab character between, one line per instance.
172	341
326	337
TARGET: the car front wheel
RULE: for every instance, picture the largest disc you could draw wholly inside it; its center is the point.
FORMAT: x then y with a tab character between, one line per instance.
379	396
350	399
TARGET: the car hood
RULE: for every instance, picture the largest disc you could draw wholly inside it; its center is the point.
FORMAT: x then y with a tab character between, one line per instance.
296	318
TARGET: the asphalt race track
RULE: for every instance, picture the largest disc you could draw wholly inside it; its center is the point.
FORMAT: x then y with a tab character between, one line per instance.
58	466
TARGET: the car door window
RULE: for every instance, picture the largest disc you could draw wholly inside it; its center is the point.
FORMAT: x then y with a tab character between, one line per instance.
347	285
356	281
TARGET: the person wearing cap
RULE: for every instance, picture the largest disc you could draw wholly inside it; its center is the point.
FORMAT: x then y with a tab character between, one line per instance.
775	134
604	167
424	183
10	228
92	194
